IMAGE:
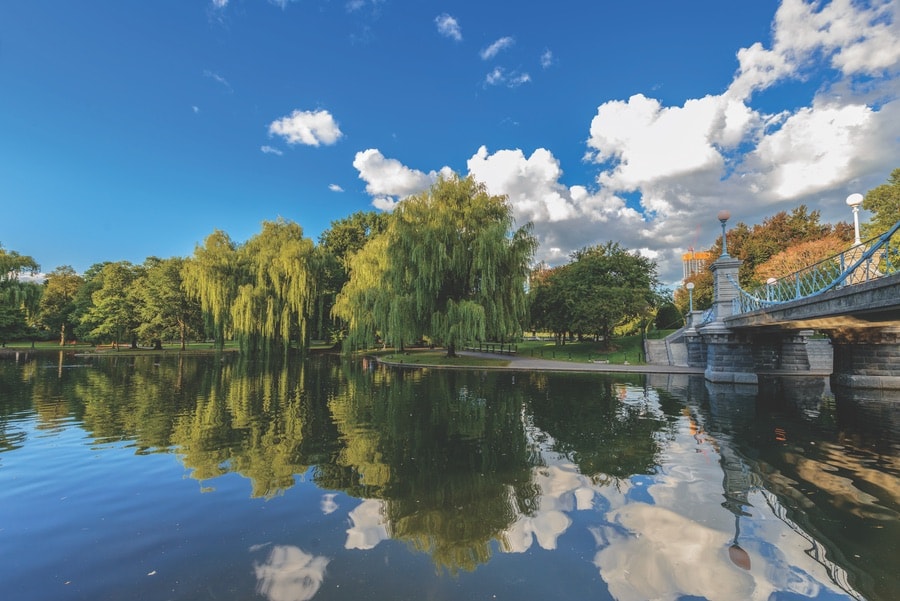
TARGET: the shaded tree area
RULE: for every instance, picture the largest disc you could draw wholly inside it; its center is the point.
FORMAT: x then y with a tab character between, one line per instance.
599	289
449	267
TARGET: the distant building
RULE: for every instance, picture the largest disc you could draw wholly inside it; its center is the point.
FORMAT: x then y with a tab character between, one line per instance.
694	261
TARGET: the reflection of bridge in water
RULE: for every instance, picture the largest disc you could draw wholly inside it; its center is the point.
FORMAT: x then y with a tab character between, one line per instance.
852	298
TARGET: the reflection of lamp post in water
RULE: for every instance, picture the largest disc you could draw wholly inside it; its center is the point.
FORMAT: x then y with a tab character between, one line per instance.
738	482
690	289
853	201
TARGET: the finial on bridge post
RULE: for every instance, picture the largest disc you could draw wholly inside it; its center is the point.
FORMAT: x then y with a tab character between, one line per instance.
724	216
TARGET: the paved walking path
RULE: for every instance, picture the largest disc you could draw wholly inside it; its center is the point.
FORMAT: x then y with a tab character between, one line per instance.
532	364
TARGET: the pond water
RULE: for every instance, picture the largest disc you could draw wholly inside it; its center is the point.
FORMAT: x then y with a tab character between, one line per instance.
219	478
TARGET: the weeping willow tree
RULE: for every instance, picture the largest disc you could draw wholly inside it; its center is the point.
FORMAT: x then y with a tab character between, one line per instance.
370	305
261	292
18	299
212	276
448	267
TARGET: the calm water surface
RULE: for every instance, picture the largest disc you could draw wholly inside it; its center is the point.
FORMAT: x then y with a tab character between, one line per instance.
217	478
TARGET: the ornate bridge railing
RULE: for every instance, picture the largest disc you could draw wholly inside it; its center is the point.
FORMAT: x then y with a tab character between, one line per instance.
864	262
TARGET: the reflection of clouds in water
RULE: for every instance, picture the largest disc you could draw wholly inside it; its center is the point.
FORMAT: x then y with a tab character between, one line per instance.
667	556
328	505
677	545
369	527
290	574
562	489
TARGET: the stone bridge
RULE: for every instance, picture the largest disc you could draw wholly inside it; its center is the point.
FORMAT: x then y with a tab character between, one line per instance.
857	325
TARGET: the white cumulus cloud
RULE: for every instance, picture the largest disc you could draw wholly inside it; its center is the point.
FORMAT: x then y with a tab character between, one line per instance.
311	128
448	27
389	180
270	150
335	188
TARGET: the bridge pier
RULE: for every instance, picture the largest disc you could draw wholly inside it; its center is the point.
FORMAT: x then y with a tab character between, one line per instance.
866	358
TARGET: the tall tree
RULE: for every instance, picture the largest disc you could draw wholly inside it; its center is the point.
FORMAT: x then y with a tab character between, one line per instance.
212	276
92	281
274	302
261	291
114	310
337	246
607	285
455	270
57	308
165	309
18	299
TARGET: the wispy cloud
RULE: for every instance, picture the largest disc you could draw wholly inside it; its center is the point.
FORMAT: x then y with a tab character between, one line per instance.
500	77
546	59
448	27
219	3
195	108
335	188
312	128
271	150
217	78
495	48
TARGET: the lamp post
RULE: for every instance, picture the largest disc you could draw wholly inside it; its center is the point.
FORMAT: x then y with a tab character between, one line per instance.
724	216
769	284
853	201
690	289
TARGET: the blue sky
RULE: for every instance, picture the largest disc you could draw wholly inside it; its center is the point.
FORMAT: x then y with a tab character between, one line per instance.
131	129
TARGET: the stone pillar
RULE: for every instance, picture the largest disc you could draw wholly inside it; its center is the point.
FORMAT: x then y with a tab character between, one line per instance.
724	292
867	358
729	356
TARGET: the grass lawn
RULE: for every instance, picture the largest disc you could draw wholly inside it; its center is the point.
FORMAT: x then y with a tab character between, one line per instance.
628	349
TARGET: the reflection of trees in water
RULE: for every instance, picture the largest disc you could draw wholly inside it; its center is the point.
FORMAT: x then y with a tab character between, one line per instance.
605	428
261	420
445	452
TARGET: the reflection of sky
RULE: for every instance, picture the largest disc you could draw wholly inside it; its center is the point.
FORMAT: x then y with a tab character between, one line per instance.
665	536
290	574
369	526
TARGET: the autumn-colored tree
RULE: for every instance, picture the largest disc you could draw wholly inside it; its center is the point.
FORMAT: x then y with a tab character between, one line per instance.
800	255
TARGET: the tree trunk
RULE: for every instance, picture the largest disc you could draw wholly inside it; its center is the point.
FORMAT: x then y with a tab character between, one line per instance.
451	350
182	331
62	334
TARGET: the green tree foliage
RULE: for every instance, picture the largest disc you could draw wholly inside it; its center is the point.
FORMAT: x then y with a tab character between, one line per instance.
114	310
165	309
18	299
884	203
91	282
337	246
454	271
57	309
599	289
262	291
